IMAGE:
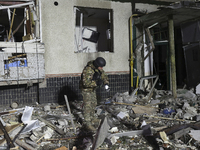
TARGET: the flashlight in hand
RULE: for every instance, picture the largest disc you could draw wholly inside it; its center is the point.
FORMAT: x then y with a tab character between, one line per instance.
107	88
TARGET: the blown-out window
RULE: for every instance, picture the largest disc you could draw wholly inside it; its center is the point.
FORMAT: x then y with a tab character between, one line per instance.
93	30
17	22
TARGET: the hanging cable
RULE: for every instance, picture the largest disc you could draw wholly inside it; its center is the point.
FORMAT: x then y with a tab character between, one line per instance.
17	64
37	59
17	72
38	100
23	49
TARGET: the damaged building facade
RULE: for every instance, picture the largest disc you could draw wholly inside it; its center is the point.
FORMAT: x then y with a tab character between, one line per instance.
167	42
56	41
42	58
152	59
45	46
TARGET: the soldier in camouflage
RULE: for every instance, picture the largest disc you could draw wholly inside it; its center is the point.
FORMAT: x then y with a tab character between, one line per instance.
93	76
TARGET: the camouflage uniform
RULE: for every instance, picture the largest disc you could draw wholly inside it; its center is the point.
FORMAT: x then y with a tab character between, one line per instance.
88	87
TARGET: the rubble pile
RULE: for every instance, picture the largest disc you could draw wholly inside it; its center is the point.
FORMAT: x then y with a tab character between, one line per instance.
128	121
37	127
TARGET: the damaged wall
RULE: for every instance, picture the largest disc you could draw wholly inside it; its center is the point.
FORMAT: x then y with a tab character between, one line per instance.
21	53
62	65
21	63
180	19
144	68
58	26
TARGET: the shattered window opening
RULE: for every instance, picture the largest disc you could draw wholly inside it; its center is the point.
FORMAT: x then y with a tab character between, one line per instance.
22	50
17	22
160	34
93	30
16	60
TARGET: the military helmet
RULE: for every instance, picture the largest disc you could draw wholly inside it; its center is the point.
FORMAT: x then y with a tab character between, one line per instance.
99	62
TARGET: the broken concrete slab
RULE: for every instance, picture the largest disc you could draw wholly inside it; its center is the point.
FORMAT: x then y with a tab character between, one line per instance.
62	148
101	133
195	134
184	93
121	129
182	132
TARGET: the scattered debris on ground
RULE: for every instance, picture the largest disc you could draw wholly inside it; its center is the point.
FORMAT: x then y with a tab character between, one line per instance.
128	121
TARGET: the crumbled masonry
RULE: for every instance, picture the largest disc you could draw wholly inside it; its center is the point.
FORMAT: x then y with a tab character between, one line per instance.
127	122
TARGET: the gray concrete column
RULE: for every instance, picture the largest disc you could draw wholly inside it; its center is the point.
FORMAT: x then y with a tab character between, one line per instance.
172	55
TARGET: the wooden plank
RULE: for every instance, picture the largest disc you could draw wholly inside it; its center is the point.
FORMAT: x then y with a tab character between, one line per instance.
10	128
24	145
10	32
151	18
6	135
67	103
62	148
143	110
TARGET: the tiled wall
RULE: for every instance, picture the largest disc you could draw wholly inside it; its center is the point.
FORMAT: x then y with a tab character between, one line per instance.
56	88
19	93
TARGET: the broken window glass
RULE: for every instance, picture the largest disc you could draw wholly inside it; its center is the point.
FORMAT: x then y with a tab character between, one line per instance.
17	21
93	30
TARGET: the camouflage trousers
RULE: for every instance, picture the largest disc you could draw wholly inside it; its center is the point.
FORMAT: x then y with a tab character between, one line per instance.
89	105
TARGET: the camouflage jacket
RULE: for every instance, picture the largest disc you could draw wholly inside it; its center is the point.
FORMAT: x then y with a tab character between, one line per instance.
87	83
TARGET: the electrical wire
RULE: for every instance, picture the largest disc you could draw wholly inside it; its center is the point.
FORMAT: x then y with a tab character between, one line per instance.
17	64
37	59
37	69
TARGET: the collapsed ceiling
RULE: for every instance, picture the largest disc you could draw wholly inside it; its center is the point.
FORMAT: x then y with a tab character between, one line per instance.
182	12
157	2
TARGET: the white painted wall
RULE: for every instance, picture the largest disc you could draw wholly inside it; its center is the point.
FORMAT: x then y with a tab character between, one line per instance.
58	30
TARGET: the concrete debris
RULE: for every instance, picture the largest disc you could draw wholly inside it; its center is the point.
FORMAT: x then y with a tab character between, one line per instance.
48	133
198	89
47	108
114	139
195	134
127	122
182	132
113	130
122	115
187	94
101	133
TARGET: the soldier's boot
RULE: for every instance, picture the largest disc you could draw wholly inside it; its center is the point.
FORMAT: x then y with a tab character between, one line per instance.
91	127
95	121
